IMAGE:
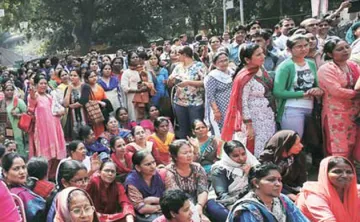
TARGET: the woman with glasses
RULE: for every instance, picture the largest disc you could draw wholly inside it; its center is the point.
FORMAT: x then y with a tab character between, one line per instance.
144	187
109	196
296	86
74	204
340	103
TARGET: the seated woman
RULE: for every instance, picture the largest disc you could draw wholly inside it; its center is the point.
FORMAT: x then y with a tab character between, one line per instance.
93	145
109	196
229	175
188	176
71	173
122	162
74	204
162	138
140	143
8	211
176	207
284	150
148	124
77	151
37	181
334	197
15	175
206	147
265	202
122	116
144	186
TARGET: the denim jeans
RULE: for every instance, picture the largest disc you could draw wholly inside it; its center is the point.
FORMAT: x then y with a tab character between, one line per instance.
294	119
185	116
216	211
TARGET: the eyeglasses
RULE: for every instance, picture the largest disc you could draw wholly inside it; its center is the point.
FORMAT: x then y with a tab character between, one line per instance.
87	211
81	181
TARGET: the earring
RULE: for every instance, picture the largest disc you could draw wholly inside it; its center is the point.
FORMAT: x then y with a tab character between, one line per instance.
257	187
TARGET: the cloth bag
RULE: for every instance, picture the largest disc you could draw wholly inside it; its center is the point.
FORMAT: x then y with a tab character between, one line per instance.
94	112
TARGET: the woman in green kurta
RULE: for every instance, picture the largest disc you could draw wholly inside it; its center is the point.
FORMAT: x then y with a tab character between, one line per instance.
11	109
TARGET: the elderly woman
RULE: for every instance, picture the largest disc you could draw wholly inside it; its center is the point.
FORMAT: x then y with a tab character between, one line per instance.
112	130
218	84
337	79
260	204
334	197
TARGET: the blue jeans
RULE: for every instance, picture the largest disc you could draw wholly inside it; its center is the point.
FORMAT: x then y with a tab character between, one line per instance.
294	119
216	212
185	116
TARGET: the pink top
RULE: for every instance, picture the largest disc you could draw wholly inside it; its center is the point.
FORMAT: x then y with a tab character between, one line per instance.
8	210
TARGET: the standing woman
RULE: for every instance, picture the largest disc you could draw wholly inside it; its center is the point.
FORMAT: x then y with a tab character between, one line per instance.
296	86
314	54
215	44
252	105
160	76
130	84
76	96
218	84
11	109
188	100
97	94
58	94
110	84
340	104
47	139
117	67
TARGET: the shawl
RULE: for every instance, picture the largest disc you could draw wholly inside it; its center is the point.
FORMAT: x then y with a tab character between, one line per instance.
156	189
350	37
233	118
236	169
342	211
160	145
43	188
62	208
105	199
113	83
96	147
220	76
120	167
149	146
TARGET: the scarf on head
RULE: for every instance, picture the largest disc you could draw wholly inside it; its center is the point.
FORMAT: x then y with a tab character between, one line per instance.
342	211
233	118
156	189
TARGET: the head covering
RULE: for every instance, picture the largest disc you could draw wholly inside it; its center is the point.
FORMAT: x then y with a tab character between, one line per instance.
278	143
350	37
342	211
62	209
157	185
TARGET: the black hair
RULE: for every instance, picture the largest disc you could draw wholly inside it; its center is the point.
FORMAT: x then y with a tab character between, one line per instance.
238	28
260	171
77	71
172	201
175	40
8	160
87	74
37	167
255	22
175	146
54	61
113	141
187	51
198	37
218	54
134	128
160	48
337	160
130	55
103	66
143	55
61	72
93	50
283	20
329	47
117	112
158	121
262	34
230	146
196	121
84	132
107	56
246	51
67	170
72	146
2	151
139	156
104	163
91	60
290	43
38	77
113	61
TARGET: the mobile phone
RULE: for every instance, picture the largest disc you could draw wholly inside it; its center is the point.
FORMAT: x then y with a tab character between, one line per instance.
177	81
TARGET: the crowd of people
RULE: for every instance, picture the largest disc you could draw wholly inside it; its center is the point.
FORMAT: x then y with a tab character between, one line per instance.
227	128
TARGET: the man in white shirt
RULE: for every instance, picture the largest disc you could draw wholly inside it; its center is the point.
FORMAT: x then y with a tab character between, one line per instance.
285	25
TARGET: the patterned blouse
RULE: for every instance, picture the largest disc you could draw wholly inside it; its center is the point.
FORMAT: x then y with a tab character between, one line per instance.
195	184
189	95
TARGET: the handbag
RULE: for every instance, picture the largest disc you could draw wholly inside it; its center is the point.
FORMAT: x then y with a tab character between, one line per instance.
27	122
94	112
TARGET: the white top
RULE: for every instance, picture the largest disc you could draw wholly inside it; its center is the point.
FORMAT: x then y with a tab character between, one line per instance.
280	42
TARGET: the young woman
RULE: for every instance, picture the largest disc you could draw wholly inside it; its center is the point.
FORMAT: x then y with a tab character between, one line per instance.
122	115
110	84
140	143
218	84
206	148
313	54
74	204
123	162
11	109
15	175
162	138
47	139
229	175
148	124
58	96
252	105
160	76
265	202
340	103
334	197
117	65
144	187
296	86
284	150
109	196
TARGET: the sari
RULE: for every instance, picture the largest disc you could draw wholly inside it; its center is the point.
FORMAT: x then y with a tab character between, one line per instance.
319	201
163	147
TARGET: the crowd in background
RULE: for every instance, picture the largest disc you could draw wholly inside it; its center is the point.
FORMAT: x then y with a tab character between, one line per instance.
226	128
